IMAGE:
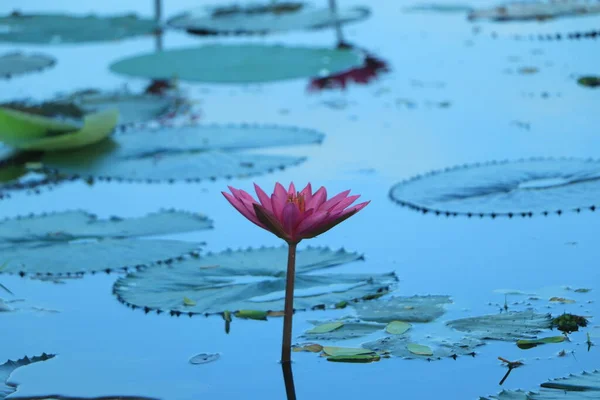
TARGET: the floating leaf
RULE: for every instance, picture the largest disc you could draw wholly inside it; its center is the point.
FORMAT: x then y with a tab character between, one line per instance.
335	351
13	64
96	127
17	126
397	327
75	242
410	309
261	19
561	300
519	188
188	302
182	153
506	326
325	328
349	329
582	290
310	348
589	81
531	343
535	10
574	387
229	63
17	27
204	358
247	280
252	314
442	8
419	349
358	358
401	345
8	367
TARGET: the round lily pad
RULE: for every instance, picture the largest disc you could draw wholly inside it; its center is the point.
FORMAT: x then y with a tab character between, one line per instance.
17	27
249	63
13	64
262	19
519	188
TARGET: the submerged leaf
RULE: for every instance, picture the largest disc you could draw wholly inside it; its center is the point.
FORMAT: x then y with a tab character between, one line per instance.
397	327
13	64
531	343
410	309
17	27
8	367
248	280
519	188
260	19
505	326
183	153
229	63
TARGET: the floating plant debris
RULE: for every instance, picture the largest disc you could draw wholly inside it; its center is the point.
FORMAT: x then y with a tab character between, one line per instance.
407	309
569	323
263	19
18	27
574	387
519	188
589	81
187	153
14	64
508	326
252	279
230	63
8	367
536	10
76	242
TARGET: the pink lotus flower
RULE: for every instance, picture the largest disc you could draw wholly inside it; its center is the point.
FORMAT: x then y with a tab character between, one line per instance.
292	215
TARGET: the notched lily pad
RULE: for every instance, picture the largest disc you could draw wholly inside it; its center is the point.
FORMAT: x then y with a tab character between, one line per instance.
252	279
341	330
190	153
574	387
519	188
408	309
75	242
229	63
506	326
8	367
426	349
18	27
14	64
262	19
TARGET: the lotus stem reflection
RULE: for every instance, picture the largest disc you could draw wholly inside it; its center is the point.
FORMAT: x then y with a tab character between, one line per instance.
293	216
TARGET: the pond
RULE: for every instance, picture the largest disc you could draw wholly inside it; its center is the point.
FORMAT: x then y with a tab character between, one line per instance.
496	236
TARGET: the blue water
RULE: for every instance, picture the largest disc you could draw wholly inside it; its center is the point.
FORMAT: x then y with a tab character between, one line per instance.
372	143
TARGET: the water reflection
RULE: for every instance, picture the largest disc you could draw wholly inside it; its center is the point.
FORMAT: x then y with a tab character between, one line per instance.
158	18
288	379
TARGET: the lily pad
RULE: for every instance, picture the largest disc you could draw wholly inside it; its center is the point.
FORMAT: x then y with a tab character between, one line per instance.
325	328
506	326
574	387
518	188
434	349
589	81
408	309
397	327
347	329
13	64
189	153
535	10
531	343
17	27
250	63
248	280
17	126
75	242
262	19
8	367
358	358
204	358
96	127
419	349
345	351
441	8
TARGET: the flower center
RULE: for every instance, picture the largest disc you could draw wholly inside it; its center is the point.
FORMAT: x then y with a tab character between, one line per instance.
298	200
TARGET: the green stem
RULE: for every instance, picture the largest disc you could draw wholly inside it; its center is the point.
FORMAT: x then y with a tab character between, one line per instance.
286	348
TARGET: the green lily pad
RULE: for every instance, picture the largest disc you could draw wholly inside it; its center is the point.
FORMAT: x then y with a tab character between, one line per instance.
506	326
409	309
261	19
252	314
17	27
96	127
419	349
17	126
531	343
14	64
358	358
182	153
573	387
589	81
248	280
347	329
537	186
75	242
397	327
8	367
230	63
335	351
325	328
436	349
